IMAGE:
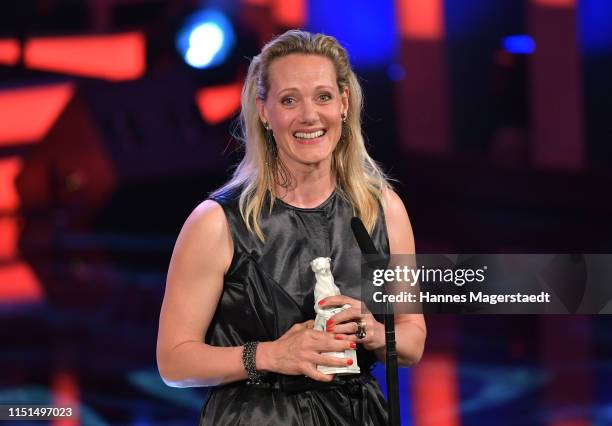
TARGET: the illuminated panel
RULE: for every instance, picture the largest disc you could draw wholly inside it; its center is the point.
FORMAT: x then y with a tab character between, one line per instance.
28	113
367	29
218	103
289	13
9	168
435	391
9	51
555	3
9	235
557	114
595	34
519	44
112	57
19	284
421	19
66	394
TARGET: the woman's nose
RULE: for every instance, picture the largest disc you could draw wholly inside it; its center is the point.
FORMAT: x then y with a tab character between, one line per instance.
309	112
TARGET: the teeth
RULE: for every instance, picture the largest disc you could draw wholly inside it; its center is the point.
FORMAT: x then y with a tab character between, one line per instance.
301	135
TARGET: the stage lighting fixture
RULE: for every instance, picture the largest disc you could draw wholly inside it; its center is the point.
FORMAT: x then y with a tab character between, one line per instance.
205	39
519	44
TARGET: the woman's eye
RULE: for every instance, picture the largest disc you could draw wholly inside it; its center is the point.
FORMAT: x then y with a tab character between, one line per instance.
288	101
324	97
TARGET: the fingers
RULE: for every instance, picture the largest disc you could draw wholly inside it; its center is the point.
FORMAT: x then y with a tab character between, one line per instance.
351	314
301	349
314	340
298	327
374	338
295	328
303	325
348	338
311	371
345	328
332	361
330	344
339	300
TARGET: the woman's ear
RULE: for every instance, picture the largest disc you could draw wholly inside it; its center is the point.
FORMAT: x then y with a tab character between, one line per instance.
261	110
345	100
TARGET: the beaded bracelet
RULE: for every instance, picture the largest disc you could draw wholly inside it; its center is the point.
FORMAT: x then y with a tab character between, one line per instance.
248	360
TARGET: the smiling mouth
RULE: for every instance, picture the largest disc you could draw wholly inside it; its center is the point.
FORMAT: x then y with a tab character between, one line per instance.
309	135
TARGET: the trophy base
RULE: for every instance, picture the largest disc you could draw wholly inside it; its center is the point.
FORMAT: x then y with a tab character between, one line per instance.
349	369
320	324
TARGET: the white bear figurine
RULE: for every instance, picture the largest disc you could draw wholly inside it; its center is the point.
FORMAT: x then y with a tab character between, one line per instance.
325	287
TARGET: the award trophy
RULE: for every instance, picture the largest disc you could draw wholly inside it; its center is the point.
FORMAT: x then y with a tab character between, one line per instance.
325	287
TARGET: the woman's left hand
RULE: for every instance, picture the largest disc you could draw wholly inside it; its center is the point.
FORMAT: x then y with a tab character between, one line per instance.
345	324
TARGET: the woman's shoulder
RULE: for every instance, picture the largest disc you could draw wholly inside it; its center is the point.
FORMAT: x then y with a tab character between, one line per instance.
226	196
205	233
391	202
399	228
206	219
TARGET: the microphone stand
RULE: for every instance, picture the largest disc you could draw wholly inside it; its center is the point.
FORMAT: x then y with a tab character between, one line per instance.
391	366
367	247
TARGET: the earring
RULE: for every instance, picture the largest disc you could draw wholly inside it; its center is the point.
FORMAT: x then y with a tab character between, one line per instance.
280	174
343	116
271	151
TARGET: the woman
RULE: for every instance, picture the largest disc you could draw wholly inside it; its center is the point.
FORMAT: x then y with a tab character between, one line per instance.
239	296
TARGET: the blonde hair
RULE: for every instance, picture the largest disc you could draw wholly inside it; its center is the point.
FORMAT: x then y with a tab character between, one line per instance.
359	179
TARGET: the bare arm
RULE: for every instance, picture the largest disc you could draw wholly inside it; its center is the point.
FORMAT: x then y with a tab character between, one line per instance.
202	254
201	257
410	329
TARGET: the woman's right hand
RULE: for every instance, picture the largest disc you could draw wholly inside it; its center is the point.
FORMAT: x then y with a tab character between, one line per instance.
298	351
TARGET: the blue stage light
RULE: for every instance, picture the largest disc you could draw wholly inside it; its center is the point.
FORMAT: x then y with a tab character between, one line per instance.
367	29
520	44
205	39
595	29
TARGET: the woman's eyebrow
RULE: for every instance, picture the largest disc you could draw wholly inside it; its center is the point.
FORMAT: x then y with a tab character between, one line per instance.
288	89
295	89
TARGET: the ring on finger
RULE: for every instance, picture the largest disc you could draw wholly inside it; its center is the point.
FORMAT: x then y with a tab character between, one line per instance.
361	330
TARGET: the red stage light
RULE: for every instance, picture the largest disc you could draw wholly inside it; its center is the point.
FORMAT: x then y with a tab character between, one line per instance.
421	19
66	394
289	13
19	284
9	51
9	169
556	3
218	103
28	113
9	236
112	57
436	393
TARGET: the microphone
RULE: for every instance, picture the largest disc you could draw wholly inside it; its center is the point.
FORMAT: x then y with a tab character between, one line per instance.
367	247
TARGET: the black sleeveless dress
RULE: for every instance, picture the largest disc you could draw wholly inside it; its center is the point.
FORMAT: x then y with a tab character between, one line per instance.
268	288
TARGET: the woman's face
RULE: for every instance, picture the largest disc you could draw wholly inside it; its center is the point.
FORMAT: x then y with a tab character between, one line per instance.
304	107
